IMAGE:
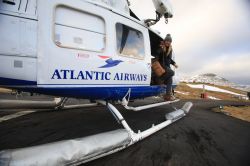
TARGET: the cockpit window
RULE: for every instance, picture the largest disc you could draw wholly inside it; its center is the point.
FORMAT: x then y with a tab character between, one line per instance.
130	42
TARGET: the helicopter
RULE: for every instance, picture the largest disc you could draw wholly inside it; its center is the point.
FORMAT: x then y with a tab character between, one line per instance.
89	49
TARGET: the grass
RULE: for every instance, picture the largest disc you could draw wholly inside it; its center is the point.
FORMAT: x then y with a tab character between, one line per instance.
242	112
196	93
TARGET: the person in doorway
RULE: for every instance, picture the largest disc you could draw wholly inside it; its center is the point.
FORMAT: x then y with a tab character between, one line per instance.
165	58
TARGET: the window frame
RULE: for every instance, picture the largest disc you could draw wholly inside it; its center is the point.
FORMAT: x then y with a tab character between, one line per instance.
143	41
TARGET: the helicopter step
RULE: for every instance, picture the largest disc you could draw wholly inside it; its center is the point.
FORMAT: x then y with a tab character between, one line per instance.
126	99
82	150
140	108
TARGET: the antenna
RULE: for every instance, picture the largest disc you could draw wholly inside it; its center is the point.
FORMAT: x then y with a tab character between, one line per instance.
163	8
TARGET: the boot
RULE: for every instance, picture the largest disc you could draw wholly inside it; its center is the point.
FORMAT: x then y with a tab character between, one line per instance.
169	97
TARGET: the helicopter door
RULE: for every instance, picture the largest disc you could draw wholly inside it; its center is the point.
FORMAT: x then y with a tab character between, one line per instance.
71	36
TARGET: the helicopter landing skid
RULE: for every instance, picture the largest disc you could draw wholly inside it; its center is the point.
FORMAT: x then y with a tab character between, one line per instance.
82	150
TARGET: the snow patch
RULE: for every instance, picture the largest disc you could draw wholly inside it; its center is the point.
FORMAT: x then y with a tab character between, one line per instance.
213	98
212	88
184	93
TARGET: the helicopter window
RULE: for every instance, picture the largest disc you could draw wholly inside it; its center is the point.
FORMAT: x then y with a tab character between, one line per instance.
85	32
130	42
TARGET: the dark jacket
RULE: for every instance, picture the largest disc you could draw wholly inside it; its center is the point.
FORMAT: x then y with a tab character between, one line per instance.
164	59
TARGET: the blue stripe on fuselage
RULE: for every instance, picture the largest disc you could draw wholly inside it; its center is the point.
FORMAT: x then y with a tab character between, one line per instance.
104	93
8	82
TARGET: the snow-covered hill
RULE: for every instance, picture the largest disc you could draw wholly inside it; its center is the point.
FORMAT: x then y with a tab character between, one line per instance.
214	79
209	78
242	87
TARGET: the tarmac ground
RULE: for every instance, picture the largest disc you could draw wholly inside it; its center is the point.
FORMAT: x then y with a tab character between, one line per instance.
202	138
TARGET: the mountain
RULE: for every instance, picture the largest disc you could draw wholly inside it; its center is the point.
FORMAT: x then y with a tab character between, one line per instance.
211	78
242	87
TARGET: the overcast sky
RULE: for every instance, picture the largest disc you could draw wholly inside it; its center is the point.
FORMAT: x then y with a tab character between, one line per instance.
209	36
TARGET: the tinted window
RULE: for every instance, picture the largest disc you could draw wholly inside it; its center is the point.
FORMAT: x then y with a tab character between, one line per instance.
129	41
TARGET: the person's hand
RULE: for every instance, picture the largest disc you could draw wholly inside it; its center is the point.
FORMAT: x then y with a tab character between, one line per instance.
162	46
176	66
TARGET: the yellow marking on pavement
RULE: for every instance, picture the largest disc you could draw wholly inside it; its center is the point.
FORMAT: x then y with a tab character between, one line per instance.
15	115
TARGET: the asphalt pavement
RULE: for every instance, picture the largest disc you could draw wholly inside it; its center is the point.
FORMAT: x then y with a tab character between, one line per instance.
201	138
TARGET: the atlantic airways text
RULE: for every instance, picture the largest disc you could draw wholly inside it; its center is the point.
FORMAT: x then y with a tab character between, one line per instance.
96	75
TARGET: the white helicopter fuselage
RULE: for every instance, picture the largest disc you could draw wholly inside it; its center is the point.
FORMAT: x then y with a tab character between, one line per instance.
91	49
79	48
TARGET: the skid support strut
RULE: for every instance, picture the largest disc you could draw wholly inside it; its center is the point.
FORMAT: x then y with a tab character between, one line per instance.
17	104
57	104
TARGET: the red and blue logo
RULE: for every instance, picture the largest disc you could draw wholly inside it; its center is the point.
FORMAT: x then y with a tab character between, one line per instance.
109	62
